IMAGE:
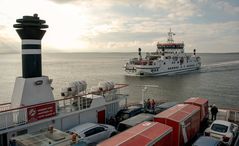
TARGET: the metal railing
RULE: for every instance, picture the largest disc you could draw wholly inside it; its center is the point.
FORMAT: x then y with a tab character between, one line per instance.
13	118
5	106
228	114
19	116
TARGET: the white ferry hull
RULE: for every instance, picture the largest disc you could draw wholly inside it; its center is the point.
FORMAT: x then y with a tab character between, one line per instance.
161	69
143	72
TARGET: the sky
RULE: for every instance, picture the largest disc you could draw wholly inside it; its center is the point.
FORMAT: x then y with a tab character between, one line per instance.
125	25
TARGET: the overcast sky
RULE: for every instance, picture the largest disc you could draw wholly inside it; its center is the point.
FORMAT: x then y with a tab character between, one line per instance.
125	25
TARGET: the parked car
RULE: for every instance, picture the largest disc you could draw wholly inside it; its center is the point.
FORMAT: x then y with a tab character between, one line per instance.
222	130
93	133
128	112
164	106
160	107
207	141
128	123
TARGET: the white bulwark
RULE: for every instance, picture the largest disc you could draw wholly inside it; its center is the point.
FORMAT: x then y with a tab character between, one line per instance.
29	91
168	59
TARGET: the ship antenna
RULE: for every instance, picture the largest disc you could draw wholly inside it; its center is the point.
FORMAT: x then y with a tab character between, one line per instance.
170	36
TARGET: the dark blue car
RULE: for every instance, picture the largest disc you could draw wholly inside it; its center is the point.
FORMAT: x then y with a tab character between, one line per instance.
129	112
207	141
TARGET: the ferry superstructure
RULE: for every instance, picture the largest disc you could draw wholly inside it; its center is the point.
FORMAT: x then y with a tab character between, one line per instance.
169	58
33	105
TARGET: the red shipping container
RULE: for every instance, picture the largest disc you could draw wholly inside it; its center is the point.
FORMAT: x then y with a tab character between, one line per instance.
144	134
202	103
184	119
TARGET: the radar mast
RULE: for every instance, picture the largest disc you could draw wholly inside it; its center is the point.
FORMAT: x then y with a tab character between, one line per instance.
170	36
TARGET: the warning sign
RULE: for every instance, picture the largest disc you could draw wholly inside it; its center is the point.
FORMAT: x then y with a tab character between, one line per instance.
40	112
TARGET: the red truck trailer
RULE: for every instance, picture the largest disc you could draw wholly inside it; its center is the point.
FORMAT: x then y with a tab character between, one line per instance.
184	119
143	134
202	103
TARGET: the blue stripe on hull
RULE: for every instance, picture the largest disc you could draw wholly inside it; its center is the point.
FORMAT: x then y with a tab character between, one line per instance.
164	73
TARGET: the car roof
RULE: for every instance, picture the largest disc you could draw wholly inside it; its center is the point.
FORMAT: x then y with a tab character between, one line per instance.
206	141
137	119
166	105
82	127
221	122
131	109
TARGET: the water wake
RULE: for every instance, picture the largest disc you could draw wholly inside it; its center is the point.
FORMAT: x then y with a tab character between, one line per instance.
220	67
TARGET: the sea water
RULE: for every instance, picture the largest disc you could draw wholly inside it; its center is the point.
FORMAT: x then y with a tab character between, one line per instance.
217	80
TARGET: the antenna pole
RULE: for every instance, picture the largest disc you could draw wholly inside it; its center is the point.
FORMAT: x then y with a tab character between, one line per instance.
143	95
170	36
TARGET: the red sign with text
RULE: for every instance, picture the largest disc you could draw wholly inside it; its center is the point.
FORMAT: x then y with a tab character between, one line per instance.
40	112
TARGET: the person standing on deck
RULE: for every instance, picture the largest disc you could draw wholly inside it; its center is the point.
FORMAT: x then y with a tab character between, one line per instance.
148	104
153	105
214	111
145	105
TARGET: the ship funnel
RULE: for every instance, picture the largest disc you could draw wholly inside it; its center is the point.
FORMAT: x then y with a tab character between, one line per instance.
31	88
140	55
29	28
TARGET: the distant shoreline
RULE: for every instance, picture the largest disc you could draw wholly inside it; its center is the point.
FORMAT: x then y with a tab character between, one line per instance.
111	52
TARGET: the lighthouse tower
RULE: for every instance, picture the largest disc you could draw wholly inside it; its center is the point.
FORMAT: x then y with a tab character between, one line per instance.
31	87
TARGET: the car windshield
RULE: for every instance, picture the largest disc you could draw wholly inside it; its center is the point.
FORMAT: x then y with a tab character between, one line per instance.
125	116
219	128
122	127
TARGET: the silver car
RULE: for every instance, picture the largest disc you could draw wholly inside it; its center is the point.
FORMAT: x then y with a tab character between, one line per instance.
93	133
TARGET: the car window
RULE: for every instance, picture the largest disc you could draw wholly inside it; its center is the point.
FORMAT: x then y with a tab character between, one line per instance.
90	132
125	116
219	128
136	112
221	144
122	127
232	127
99	129
94	131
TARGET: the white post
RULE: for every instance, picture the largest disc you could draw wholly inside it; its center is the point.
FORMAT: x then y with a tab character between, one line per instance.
142	98
143	95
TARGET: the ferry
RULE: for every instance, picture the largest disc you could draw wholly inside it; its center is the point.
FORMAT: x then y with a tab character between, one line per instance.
35	117
168	59
33	106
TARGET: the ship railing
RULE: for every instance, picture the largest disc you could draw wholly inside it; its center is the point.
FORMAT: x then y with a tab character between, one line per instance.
232	114
81	102
228	114
73	104
5	106
11	117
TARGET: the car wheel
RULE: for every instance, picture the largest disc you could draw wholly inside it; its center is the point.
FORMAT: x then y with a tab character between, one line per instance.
112	134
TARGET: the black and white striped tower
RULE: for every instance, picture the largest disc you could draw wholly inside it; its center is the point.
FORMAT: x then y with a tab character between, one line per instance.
32	87
29	28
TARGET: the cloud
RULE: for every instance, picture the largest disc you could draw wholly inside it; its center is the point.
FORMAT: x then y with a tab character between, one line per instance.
227	7
175	9
88	25
7	43
214	37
